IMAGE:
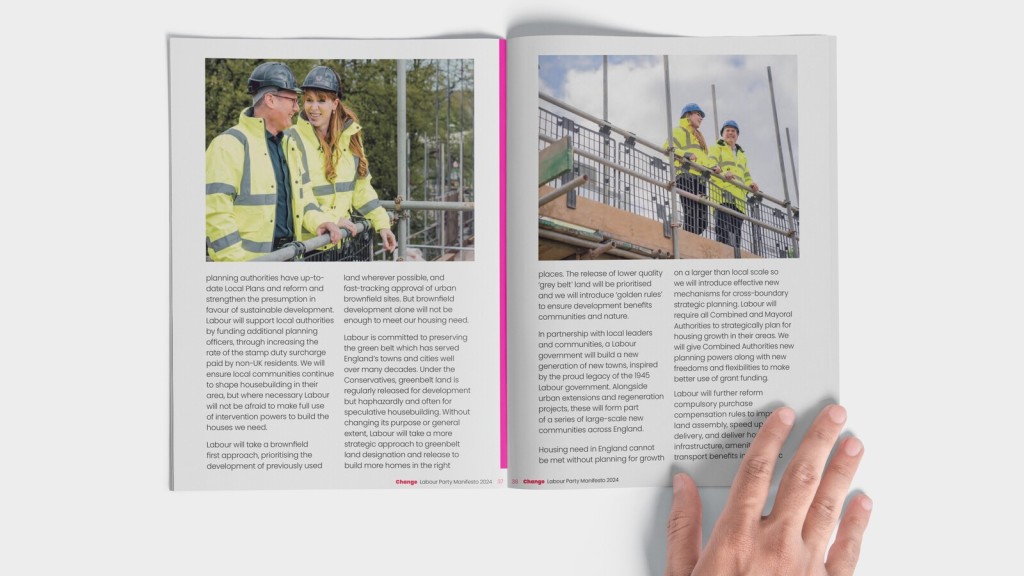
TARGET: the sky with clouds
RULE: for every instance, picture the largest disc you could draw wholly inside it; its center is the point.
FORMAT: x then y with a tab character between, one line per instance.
636	99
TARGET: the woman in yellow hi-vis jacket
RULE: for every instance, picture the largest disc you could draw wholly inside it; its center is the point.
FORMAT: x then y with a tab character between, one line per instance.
334	163
689	143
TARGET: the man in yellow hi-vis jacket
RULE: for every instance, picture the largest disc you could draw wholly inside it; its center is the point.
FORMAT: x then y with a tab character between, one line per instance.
254	202
732	160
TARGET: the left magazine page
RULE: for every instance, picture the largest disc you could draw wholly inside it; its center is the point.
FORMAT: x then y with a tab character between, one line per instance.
335	264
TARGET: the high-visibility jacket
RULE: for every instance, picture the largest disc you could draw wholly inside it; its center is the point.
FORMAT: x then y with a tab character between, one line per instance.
735	162
349	192
241	194
685	141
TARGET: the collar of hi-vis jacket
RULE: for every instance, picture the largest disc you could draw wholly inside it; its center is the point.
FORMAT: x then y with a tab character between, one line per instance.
724	143
684	123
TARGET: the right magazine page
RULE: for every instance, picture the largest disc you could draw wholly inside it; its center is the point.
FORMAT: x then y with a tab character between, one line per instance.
671	252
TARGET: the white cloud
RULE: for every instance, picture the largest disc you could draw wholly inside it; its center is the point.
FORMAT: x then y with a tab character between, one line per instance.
636	101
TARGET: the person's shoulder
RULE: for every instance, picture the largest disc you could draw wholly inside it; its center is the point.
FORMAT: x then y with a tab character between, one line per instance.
304	127
350	128
230	138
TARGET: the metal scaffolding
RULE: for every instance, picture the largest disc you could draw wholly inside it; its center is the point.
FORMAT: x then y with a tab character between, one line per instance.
400	211
435	214
637	176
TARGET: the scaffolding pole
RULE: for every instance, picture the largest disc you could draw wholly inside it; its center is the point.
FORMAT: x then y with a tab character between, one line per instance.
564	189
403	224
792	164
296	249
437	183
426	205
442	191
782	165
579	242
671	162
714	106
462	132
605	137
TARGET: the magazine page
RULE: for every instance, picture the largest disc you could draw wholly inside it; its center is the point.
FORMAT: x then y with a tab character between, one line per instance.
675	276
335	264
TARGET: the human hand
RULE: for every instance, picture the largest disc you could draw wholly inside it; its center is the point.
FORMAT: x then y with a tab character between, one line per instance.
729	176
755	187
329	228
717	170
792	540
348	225
389	240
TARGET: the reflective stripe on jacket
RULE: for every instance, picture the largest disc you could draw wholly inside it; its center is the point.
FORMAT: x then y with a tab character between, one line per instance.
241	193
734	162
348	192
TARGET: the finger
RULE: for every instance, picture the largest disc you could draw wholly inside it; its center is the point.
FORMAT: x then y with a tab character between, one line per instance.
754	477
828	501
684	527
333	232
845	551
801	478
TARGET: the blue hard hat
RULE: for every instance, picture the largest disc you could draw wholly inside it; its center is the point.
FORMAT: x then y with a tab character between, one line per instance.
691	107
729	124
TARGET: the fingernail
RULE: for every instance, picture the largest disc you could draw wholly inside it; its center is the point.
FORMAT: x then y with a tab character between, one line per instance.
677	483
866	503
837	413
853	446
787	416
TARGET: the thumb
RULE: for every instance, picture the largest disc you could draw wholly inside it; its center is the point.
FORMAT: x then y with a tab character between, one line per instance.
684	527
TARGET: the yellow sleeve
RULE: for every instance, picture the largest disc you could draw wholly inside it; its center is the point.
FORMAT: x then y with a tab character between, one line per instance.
365	201
224	159
747	178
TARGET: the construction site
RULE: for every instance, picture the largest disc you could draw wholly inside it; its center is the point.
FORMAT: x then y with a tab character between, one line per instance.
606	193
428	192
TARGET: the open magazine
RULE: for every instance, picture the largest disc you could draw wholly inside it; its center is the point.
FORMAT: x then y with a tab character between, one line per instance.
542	262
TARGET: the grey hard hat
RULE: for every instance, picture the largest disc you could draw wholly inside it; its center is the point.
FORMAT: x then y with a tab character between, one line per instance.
272	75
322	78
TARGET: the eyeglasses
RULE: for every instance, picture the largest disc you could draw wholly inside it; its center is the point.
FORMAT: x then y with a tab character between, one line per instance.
294	101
